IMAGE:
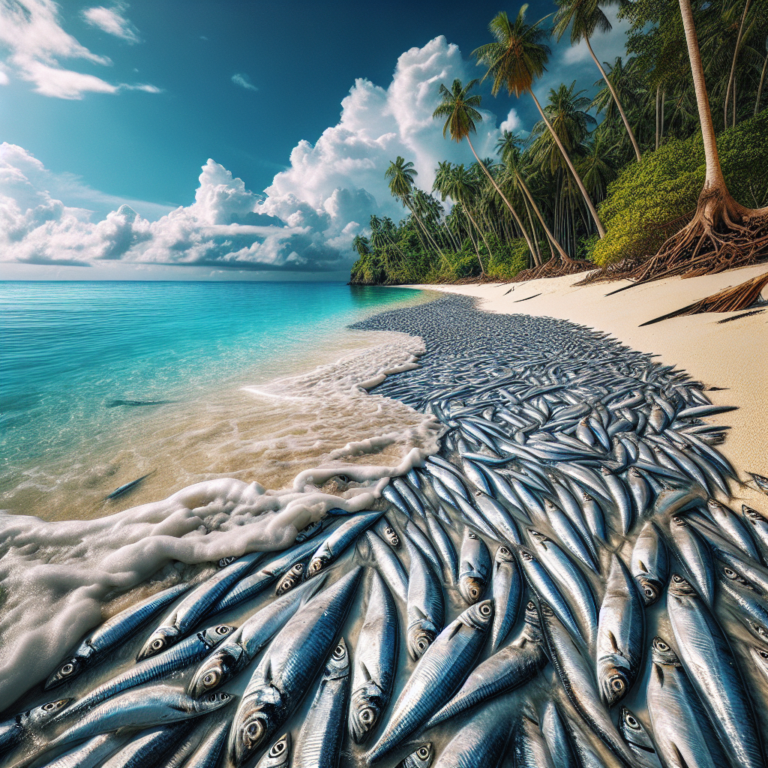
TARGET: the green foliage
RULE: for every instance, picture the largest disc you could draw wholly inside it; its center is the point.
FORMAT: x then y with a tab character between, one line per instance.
509	259
648	196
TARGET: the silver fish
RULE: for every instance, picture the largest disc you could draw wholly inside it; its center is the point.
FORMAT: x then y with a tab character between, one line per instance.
760	657
474	567
499	519
309	531
571	581
639	490
445	548
286	670
638	740
449	477
419	758
575	671
375	661
475	519
209	750
411	499
195	607
620	634
149	748
696	557
426	609
529	746
437	676
758	525
279	755
90	754
650	563
513	666
683	733
392	495
294	576
570	537
733	528
593	513
714	673
319	742
241	647
141	708
545	588
184	654
556	735
385	530
744	603
112	633
481	742
760	481
622	498
339	540
256	583
14	730
419	538
388	564
507	590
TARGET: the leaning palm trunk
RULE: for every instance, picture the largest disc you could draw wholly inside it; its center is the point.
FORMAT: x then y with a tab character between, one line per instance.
424	229
722	234
582	188
559	248
760	87
616	99
480	232
732	75
501	194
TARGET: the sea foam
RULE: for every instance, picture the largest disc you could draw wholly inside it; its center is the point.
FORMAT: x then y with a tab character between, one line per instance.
58	576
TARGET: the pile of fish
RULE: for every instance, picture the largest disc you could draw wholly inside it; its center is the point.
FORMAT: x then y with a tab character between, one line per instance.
568	584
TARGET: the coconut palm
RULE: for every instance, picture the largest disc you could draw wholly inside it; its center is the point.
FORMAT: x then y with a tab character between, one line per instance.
515	60
584	18
459	108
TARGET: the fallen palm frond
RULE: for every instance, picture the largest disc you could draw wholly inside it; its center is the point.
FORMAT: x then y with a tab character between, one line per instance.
729	300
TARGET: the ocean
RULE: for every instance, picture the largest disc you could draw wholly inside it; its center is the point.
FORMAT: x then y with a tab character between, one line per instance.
103	382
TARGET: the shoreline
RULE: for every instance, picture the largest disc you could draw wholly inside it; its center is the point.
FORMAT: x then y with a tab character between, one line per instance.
730	355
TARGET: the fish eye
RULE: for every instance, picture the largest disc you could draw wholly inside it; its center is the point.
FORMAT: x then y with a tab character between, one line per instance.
650	592
678	579
527	557
211	678
471	535
157	644
587	497
763	654
662	646
277	749
617	684
315	566
731	574
254	733
485	610
677	520
51	705
299	567
67	669
367	716
339	652
222	629
530	605
423	753
631	722
504	551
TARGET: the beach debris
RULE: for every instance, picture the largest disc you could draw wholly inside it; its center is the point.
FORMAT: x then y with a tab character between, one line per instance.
501	594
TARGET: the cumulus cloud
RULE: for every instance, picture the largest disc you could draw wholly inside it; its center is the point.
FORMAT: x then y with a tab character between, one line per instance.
243	81
308	216
31	32
512	123
112	21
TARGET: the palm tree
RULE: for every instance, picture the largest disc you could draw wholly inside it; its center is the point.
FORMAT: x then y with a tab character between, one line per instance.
585	17
459	109
401	182
460	185
732	75
515	60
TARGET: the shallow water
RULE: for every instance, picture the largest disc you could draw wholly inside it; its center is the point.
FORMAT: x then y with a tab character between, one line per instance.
101	383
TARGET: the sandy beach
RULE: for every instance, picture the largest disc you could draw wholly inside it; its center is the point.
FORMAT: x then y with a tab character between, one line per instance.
732	355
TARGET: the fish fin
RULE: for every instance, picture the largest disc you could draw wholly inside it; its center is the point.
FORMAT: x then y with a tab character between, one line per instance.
683	763
614	644
366	673
454	630
643	566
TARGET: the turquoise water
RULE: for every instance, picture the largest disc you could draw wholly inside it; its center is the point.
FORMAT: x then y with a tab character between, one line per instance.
80	360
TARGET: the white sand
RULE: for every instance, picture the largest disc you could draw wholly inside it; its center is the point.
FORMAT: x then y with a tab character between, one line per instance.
733	355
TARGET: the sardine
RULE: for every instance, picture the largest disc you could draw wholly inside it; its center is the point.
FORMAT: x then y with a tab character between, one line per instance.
650	563
14	730
620	634
388	564
149	748
706	655
318	744
112	633
208	752
339	540
419	538
529	746
279	754
507	591
90	754
375	661
419	758
426	609
437	676
695	556
733	528
570	537
474	567
384	529
286	670
638	740
556	735
481	742
445	548
196	606
411	499
510	668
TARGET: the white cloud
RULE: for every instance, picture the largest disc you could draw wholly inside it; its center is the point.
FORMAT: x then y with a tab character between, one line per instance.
512	123
311	211
112	21
243	81
31	32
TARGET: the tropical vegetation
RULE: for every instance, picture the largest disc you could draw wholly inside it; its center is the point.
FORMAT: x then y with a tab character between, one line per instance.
659	167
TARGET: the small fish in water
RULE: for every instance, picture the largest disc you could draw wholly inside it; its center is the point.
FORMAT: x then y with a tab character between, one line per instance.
128	487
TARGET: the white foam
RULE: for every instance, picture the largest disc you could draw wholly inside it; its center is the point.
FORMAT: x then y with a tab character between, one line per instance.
56	576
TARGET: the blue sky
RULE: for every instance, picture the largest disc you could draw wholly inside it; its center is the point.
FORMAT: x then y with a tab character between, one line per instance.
291	109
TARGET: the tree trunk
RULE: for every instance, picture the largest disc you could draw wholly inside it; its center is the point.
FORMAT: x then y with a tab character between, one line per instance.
582	188
658	89
477	250
661	118
615	98
550	236
733	68
501	194
760	87
424	229
537	259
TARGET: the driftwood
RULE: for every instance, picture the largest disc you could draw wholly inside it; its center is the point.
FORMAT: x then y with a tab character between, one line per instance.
730	300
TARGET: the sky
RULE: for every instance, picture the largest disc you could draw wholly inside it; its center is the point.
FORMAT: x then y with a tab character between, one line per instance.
232	139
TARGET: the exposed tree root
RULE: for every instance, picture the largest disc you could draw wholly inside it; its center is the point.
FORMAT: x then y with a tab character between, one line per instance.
730	300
